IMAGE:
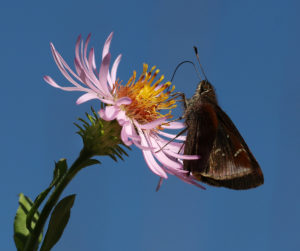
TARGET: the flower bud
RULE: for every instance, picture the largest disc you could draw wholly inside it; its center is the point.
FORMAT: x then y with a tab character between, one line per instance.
101	137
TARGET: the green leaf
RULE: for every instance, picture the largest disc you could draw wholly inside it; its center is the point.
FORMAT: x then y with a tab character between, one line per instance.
58	221
60	169
34	207
21	232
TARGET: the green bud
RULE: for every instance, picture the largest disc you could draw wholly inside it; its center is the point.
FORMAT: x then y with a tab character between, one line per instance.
101	137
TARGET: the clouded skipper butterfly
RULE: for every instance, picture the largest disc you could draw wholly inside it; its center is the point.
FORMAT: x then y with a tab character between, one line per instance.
225	159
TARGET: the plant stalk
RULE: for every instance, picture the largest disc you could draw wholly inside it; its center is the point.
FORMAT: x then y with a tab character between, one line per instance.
32	242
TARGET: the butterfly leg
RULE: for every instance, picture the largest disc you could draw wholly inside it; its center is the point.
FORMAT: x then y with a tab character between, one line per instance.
182	96
179	134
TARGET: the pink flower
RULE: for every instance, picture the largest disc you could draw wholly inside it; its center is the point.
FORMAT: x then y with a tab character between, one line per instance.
136	106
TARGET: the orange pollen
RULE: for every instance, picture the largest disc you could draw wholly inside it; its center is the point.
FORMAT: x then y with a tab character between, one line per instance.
147	99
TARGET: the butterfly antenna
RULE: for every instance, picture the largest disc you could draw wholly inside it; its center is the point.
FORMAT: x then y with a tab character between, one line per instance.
183	62
197	55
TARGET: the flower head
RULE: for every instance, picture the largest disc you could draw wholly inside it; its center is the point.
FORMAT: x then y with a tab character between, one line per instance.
137	106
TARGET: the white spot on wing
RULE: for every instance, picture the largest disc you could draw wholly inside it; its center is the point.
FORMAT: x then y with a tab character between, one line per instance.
239	151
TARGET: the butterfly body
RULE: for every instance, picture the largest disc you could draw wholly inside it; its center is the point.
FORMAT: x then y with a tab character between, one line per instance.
225	159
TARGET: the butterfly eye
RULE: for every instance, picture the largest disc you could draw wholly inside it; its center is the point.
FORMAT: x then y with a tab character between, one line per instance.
204	87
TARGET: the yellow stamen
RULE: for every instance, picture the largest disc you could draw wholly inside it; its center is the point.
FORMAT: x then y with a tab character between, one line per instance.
147	100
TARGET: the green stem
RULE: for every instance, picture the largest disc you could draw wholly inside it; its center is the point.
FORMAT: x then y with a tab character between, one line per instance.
32	242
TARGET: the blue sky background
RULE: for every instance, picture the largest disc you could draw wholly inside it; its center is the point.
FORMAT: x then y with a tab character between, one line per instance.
250	52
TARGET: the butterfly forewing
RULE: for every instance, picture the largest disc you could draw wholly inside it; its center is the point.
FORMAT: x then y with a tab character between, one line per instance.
202	126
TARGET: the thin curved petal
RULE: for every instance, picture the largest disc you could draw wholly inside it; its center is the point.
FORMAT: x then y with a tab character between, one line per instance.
124	137
129	132
87	79
51	82
103	74
172	136
152	164
188	179
107	45
123	101
115	68
181	156
174	125
92	61
152	124
60	65
110	83
87	41
146	148
110	112
86	97
162	158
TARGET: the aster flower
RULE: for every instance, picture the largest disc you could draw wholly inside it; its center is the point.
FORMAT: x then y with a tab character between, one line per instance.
137	106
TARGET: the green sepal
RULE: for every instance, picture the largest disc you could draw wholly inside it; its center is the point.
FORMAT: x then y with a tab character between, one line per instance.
21	232
90	162
58	221
101	137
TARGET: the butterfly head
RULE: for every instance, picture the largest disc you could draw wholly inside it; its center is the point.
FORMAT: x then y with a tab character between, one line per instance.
205	89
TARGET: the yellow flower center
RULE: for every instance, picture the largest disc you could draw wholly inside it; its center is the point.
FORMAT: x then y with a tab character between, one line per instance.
147	99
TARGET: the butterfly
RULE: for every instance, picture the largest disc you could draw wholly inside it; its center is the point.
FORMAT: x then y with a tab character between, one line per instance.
225	158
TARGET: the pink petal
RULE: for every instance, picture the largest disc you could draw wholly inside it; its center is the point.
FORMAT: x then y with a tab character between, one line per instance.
110	112
107	45
86	97
101	113
77	57
122	119
172	136
85	48
65	65
60	65
92	62
103	75
174	146
78	68
152	164
163	159
87	79
131	133
182	156
146	148
87	68
152	124
107	101
174	125
124	137
50	81
110	83
188	179
123	101
115	68
89	74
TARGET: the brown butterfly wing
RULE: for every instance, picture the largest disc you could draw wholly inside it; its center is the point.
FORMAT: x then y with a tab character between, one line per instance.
231	163
202	124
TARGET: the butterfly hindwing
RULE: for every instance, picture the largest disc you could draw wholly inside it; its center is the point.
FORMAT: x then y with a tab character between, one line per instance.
231	163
